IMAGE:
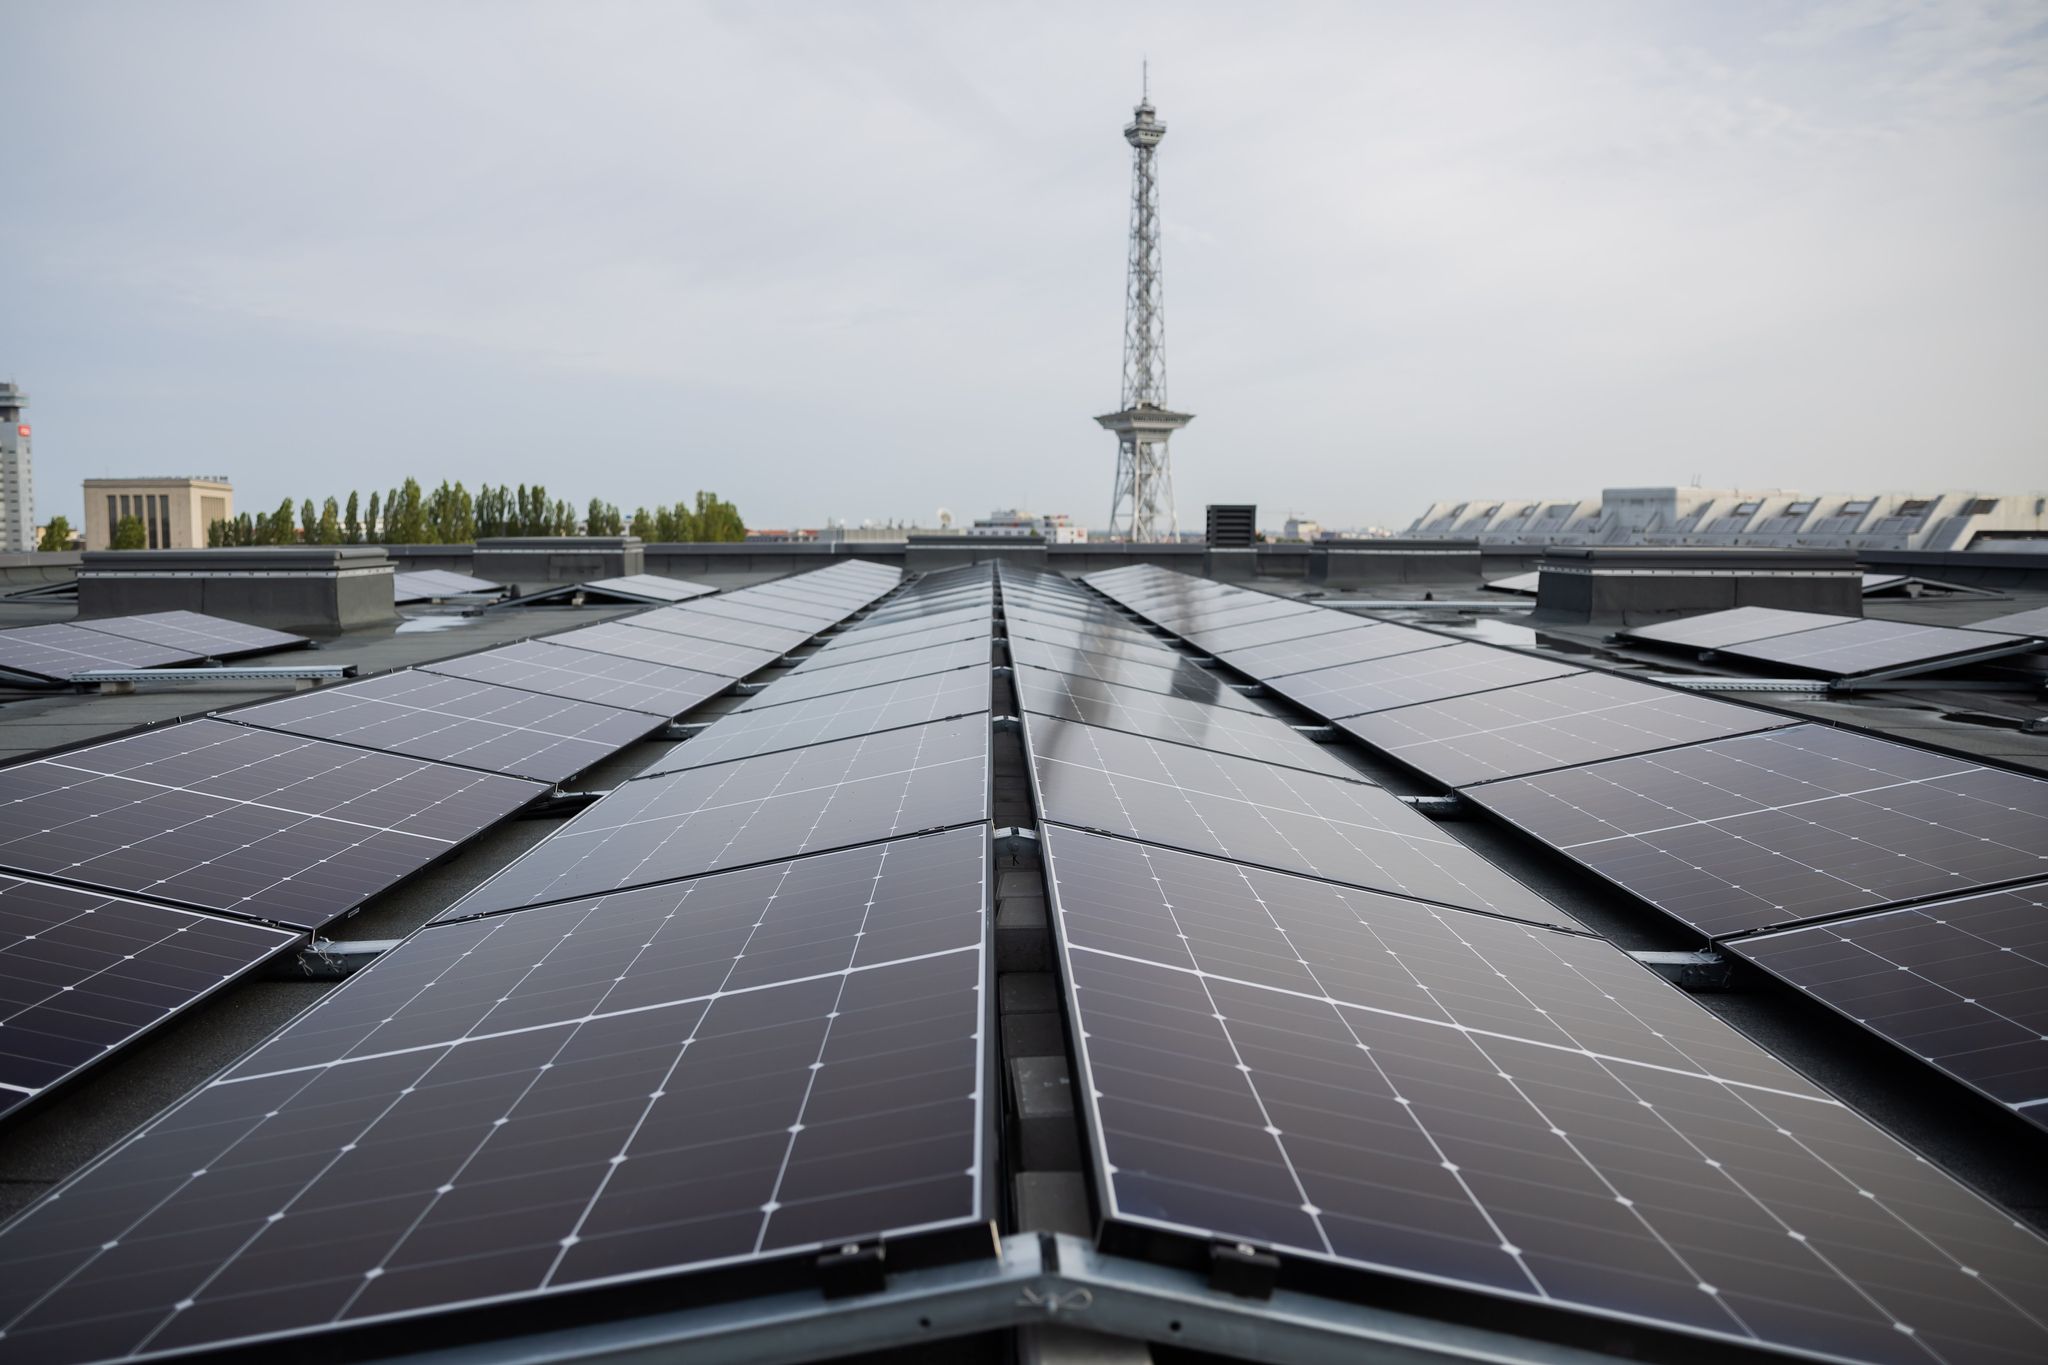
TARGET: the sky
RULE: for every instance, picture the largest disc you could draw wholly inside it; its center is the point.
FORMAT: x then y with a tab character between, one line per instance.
865	261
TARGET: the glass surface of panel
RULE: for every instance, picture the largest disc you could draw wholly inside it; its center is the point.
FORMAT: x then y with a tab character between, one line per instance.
754	810
1743	834
1738	625
1065	627
58	651
1556	723
1108	644
1360	644
1870	646
1184	679
1524	1115
839	715
677	651
1404	679
1232	611
1268	631
654	587
858	646
727	630
1245	811
757	610
802	685
582	675
201	635
715	1073
2032	623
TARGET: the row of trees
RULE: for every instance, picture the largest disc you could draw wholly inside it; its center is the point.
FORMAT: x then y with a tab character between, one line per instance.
451	515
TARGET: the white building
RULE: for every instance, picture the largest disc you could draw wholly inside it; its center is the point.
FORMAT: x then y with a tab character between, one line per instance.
17	473
1058	528
1779	519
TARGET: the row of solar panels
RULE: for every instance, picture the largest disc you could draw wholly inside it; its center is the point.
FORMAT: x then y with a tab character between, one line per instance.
292	813
56	652
1844	646
1731	820
1873	585
651	1070
1337	1060
434	585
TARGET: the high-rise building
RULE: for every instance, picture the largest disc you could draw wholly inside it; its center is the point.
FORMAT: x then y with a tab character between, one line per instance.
17	473
1142	505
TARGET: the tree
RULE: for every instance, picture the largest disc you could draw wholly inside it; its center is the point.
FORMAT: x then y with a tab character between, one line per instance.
604	519
328	532
450	515
493	511
373	524
57	535
352	522
129	534
405	516
643	523
309	523
562	520
717	519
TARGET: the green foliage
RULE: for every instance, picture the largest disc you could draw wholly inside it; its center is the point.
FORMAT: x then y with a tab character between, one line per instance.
57	535
643	523
129	534
328	530
450	514
309	523
373	523
405	516
493	511
352	522
604	519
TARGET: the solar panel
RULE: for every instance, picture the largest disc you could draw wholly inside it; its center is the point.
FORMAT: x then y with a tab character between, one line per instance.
1748	833
1521	584
1960	984
723	630
1109	645
1235	808
845	599
58	651
536	666
458	720
767	611
1875	646
1159	716
1059	625
858	646
743	1070
659	647
803	684
1739	625
224	817
840	715
83	973
1359	644
650	587
1404	679
209	637
1257	606
910	608
1518	1114
2030	623
1184	679
1268	631
755	810
421	585
1556	723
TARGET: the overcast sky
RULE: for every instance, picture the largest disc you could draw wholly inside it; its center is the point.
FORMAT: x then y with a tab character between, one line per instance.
866	260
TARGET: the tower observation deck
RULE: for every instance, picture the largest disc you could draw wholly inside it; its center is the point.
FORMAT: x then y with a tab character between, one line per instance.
1141	507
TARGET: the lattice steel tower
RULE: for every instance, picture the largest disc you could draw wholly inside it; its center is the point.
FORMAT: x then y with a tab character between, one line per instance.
1142	508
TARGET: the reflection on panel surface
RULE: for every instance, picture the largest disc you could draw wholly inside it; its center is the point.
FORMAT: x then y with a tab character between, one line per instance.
839	715
582	675
1405	679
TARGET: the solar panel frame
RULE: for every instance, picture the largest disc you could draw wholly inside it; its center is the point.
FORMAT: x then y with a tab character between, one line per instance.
1405	679
1523	1116
1363	643
457	720
1555	723
1184	679
1873	646
213	637
716	1189
659	647
585	675
85	973
1960	984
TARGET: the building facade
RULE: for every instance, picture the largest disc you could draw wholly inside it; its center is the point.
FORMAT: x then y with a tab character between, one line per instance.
17	473
174	511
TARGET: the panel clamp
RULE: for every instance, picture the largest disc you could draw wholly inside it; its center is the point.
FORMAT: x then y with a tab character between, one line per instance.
1006	724
1015	838
1446	807
1241	1269
853	1269
1691	971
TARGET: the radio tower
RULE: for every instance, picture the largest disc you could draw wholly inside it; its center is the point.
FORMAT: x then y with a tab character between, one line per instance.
1142	508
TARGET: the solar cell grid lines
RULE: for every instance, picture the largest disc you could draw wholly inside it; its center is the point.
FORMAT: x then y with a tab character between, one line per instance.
1183	679
225	817
909	608
1246	811
1513	1112
1101	624
669	1081
721	630
658	647
651	587
802	684
201	635
82	973
583	675
1961	984
859	646
1556	723
1402	680
1360	644
458	720
57	651
1159	716
754	810
1108	645
1737	835
1233	612
1268	631
840	715
1874	646
1738	625
767	611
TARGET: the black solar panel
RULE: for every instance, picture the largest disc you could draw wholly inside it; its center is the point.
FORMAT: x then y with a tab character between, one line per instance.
1160	716
2032	623
1108	644
422	585
918	630
677	651
458	720
1526	1115
802	684
1268	631
1854	647
1229	807
859	646
843	600
1359	644
821	607
224	817
82	973
1184	679
1404	679
201	636
581	675
57	651
1231	611
725	630
729	1071
1960	984
1556	723
1761	830
936	604
840	715
755	810
650	587
1738	625
766	611
1064	626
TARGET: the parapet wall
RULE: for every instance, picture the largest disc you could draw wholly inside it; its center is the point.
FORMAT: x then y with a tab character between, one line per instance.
1627	585
316	589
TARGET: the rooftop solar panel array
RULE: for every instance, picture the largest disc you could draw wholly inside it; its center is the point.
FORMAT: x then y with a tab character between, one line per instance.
1359	644
200	635
1404	679
581	675
1833	646
57	651
1736	626
1179	678
803	684
699	655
